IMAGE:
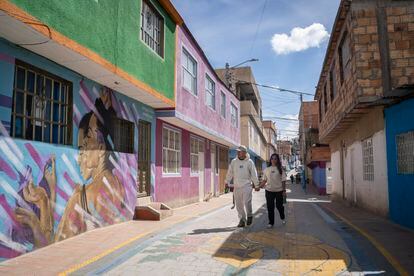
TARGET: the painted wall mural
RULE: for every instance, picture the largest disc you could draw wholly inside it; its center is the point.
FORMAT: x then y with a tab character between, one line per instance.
50	192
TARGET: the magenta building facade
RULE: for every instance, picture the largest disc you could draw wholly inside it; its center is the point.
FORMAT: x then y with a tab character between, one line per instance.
193	139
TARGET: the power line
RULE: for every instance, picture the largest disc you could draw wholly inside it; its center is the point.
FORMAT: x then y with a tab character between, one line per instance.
276	88
258	27
281	118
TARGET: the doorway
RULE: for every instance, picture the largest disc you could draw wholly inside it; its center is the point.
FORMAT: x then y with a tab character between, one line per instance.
144	159
201	171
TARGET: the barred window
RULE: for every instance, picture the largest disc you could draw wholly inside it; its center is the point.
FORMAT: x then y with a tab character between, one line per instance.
123	135
171	150
152	27
405	152
368	159
210	93
189	72
234	115
42	106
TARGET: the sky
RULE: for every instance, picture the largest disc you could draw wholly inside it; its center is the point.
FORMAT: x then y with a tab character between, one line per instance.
289	37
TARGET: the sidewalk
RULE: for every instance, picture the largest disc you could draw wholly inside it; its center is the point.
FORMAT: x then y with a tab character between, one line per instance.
77	252
396	243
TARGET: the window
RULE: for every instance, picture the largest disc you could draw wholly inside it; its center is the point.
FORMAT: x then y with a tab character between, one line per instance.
223	105
405	152
171	150
194	150
325	99
210	93
320	109
368	159
344	53
123	135
152	28
41	106
189	72
234	115
332	83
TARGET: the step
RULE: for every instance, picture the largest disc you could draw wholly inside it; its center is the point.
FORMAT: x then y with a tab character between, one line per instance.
152	211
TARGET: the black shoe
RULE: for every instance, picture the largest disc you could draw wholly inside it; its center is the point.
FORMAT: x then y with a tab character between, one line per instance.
241	223
249	220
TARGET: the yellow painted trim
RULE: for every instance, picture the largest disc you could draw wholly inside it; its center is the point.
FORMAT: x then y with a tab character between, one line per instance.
17	13
394	262
103	254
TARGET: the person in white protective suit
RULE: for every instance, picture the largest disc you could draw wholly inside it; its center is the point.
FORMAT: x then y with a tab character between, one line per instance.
243	172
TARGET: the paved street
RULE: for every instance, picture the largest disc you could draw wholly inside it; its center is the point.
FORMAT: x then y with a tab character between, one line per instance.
312	242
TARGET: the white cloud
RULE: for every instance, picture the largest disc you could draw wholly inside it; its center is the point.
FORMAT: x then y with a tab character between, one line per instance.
299	39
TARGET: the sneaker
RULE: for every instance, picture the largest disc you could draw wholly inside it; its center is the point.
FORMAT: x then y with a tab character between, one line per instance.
241	223
269	226
283	221
249	220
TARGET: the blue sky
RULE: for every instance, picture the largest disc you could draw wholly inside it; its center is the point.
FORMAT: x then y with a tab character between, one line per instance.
226	29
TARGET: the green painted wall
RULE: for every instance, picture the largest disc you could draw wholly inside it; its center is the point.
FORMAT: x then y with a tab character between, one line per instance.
111	28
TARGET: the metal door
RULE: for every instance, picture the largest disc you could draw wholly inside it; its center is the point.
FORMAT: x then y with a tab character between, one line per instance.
144	158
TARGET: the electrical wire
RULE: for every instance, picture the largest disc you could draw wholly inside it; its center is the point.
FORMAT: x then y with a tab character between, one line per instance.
30	21
258	28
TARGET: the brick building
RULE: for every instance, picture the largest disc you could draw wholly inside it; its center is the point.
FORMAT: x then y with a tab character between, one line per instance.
368	66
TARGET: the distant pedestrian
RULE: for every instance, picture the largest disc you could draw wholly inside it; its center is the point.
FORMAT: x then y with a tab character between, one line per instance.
243	172
274	182
292	178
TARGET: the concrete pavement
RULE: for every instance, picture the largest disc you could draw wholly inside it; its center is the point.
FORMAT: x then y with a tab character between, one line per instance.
202	239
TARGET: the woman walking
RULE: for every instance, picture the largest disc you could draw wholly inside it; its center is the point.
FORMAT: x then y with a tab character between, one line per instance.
274	182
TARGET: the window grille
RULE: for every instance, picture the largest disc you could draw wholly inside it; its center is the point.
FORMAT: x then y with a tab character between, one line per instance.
171	150
152	28
405	153
368	159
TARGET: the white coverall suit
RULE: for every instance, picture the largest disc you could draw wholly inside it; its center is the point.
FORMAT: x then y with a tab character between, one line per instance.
243	173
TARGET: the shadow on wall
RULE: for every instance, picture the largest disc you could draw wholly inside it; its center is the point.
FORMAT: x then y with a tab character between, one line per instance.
49	193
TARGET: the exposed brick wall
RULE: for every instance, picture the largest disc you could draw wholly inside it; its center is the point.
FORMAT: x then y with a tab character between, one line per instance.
367	53
400	26
363	75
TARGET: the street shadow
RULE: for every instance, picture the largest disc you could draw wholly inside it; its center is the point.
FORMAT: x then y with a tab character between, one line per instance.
212	230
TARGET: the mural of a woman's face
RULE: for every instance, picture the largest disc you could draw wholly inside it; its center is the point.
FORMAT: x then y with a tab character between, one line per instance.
91	149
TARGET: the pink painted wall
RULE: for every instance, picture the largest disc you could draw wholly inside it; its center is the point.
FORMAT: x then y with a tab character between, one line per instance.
184	188
195	107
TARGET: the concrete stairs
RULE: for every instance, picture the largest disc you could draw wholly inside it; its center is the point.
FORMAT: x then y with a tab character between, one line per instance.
147	210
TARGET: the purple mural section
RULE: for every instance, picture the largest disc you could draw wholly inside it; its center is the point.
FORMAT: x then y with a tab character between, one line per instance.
51	192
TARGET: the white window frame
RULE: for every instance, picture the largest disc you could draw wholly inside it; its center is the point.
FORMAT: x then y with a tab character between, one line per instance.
194	154
157	12
223	104
368	160
189	57
234	121
210	92
168	149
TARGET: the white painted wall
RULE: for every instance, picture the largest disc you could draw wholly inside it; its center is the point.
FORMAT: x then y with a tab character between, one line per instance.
372	195
336	173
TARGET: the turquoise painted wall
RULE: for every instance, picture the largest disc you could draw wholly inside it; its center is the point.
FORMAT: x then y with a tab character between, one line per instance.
111	28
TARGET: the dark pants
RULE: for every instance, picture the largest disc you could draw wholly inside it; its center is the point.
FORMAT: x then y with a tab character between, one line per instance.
270	201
